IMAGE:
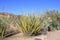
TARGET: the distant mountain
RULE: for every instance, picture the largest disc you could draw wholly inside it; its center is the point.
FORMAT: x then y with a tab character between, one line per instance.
6	14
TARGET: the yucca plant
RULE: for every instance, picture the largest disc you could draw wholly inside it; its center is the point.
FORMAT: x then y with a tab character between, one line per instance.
29	25
3	27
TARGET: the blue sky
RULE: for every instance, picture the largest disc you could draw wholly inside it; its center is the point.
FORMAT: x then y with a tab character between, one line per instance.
25	6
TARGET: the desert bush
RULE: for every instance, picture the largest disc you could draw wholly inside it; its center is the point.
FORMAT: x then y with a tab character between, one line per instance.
29	25
55	17
3	26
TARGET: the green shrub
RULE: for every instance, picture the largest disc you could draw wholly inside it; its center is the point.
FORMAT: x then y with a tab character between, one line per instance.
29	25
3	27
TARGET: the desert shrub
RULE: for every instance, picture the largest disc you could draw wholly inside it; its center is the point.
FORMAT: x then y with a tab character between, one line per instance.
3	26
55	17
30	25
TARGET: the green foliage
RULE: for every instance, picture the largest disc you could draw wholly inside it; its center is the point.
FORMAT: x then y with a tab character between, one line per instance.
55	17
33	24
30	25
3	26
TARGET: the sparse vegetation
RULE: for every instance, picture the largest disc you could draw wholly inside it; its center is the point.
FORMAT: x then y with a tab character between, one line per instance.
32	25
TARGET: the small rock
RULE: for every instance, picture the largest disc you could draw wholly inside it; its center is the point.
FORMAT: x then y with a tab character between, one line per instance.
37	39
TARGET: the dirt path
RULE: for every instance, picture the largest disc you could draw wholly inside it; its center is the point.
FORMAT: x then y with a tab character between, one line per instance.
50	36
54	35
20	37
